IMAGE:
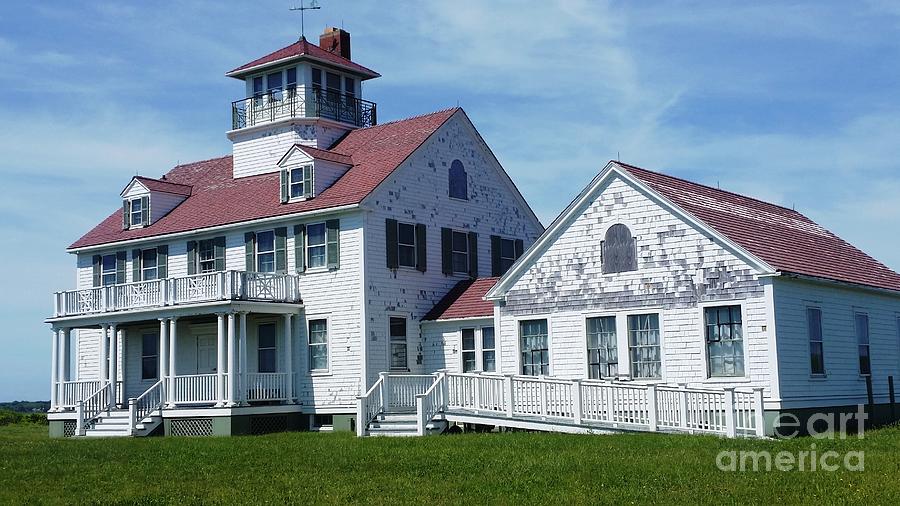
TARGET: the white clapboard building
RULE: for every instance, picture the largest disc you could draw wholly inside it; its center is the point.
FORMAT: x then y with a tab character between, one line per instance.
336	273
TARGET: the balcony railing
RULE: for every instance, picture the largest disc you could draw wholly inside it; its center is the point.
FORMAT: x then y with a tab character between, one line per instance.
225	285
302	102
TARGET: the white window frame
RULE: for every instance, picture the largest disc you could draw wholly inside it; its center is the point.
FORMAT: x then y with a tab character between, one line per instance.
104	272
301	183
473	350
414	246
479	343
132	223
857	312
454	251
744	336
144	267
406	319
659	319
518	321
623	342
200	261
257	253
324	245
821	341
587	355
479	348
278	332
327	344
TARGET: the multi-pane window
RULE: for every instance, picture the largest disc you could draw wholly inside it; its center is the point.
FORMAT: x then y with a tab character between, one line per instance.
406	244
724	341
266	348
206	256
507	254
603	355
149	357
460	252
468	350
274	84
643	343
862	340
136	211
534	347
488	350
108	270
291	78
398	343
149	265
296	183
816	343
458	181
349	89
315	245
265	251
318	345
316	78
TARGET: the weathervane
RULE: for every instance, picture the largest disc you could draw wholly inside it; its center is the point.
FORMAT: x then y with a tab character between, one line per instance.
313	5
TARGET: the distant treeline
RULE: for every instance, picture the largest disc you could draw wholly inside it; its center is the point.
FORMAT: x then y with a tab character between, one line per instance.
26	406
11	417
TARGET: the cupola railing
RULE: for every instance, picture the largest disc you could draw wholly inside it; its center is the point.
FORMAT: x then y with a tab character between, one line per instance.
302	102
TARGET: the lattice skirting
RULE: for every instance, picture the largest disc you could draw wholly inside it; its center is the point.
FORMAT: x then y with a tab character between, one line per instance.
268	424
192	427
69	428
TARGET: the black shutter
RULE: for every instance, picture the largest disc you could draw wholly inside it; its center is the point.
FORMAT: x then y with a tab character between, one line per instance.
219	252
162	261
520	248
135	265
281	250
145	211
96	261
308	181
421	248
284	186
300	247
121	258
390	234
191	258
250	252
333	243
496	244
126	213
473	254
447	251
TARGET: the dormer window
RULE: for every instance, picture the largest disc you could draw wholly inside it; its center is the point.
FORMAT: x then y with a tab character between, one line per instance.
296	183
136	212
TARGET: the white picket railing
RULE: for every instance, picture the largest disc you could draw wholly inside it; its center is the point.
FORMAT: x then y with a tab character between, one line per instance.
224	285
151	400
369	405
194	388
585	403
266	386
88	410
73	391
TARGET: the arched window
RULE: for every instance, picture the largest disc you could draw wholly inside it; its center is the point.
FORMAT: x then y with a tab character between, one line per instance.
619	250
458	182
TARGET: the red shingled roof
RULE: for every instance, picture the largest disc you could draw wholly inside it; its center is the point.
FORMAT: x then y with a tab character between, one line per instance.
302	48
158	185
322	154
785	239
465	300
219	199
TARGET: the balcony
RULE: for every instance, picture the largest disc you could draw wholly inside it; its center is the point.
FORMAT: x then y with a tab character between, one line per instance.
209	287
302	102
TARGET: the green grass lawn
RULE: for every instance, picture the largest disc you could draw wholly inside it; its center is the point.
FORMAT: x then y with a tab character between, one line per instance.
509	468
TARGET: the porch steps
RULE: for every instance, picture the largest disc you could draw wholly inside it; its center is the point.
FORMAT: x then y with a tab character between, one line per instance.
401	424
116	423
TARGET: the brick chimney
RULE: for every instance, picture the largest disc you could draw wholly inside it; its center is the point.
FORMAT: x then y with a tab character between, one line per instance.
335	40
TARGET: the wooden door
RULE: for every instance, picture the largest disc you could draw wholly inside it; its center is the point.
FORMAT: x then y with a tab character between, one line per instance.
206	354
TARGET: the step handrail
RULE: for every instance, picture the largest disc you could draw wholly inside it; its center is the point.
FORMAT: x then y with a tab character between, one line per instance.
369	405
143	405
88	410
430	403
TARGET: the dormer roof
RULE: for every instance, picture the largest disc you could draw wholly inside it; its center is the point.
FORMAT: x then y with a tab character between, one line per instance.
159	185
317	154
302	49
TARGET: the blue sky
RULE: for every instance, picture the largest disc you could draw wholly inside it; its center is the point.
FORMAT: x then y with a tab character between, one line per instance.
796	103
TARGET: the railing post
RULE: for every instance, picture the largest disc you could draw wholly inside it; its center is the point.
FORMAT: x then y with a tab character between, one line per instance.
759	411
576	401
445	390
543	390
682	406
652	412
79	418
610	403
730	429
476	394
420	414
361	418
508	391
384	388
132	415
221	282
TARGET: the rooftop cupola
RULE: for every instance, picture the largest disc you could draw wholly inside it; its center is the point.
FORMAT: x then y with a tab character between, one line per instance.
304	94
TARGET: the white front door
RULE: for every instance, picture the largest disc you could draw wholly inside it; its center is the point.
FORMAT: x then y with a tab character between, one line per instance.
206	354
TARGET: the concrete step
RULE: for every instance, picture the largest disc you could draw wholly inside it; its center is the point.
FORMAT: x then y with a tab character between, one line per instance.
106	433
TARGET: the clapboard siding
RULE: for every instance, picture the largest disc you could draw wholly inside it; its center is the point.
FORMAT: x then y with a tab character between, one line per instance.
259	151
442	346
418	193
680	268
161	203
842	383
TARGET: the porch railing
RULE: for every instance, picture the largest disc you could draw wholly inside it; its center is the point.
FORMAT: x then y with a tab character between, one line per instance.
88	410
145	404
266	386
73	391
302	102
195	388
224	285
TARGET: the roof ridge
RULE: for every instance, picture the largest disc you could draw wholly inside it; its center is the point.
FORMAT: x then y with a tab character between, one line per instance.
736	194
418	116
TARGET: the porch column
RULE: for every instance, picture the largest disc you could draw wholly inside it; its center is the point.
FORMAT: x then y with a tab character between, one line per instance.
64	356
220	359
232	361
54	371
173	352
113	365
104	353
242	338
289	357
164	352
